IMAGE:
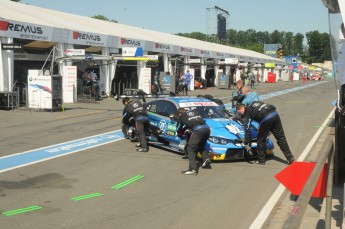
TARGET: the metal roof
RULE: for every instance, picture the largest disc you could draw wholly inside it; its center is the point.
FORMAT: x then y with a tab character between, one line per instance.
25	13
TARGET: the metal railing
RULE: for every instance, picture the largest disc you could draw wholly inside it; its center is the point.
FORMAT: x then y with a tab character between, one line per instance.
297	213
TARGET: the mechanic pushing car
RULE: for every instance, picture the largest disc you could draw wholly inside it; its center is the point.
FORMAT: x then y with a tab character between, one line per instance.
191	120
269	120
136	110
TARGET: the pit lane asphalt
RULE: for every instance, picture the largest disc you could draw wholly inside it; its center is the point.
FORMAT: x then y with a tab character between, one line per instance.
229	194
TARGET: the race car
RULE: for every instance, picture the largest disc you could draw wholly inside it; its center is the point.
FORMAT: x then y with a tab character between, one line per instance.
227	132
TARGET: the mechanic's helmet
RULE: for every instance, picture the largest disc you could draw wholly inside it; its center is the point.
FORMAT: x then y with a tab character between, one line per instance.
125	100
208	96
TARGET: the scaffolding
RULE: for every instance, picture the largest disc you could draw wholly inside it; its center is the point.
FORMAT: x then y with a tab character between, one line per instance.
212	17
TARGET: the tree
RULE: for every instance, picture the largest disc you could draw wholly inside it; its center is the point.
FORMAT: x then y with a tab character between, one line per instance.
104	18
317	51
15	0
297	45
318	47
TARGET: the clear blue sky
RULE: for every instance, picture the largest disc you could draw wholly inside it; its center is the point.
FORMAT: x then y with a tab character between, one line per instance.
191	15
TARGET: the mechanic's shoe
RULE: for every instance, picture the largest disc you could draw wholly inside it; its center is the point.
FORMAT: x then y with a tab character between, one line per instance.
292	160
143	150
190	172
138	145
259	162
206	164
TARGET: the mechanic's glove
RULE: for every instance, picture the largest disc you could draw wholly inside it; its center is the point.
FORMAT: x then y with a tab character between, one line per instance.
187	132
249	150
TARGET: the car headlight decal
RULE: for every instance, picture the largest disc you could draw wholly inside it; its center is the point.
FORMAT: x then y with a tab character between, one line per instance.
219	140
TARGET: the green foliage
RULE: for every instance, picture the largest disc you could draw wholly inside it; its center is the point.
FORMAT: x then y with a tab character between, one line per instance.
15	0
318	49
104	18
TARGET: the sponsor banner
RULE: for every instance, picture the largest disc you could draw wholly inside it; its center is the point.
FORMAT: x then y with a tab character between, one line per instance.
11	46
152	57
86	38
220	55
205	53
231	61
75	52
132	51
30	57
270	65
160	47
197	104
194	61
271	50
9	28
39	90
145	80
186	51
69	84
125	42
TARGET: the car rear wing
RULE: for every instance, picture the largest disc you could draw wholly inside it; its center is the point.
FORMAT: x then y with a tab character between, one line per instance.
140	94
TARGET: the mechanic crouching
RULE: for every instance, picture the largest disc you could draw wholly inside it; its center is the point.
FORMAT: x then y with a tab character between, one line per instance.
200	132
136	110
269	120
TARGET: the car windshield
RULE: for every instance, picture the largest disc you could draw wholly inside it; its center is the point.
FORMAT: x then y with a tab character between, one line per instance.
209	111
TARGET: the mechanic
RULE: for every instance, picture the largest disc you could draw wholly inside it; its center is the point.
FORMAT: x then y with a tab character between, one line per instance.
136	110
191	121
218	101
269	121
250	96
188	78
237	96
156	83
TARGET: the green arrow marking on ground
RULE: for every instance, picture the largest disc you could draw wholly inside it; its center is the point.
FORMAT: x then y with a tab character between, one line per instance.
88	196
127	182
21	210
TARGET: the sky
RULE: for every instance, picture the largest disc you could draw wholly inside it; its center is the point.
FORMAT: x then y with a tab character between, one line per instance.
186	16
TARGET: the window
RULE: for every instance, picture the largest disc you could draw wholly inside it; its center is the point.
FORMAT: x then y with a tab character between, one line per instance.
162	107
152	106
168	108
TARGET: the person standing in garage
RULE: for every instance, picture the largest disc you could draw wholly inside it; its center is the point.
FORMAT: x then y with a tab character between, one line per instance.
188	78
269	121
192	122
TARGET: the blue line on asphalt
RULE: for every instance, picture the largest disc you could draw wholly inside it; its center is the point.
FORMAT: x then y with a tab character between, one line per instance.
38	155
30	157
277	93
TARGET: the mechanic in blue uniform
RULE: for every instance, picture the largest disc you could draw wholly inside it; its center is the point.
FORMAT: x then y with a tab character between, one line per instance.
269	120
192	121
250	96
188	78
136	110
237	96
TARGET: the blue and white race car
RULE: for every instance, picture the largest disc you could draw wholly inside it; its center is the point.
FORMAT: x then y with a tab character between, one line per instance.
227	133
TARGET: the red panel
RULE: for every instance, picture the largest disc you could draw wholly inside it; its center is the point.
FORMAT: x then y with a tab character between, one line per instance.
295	176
